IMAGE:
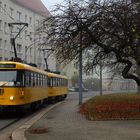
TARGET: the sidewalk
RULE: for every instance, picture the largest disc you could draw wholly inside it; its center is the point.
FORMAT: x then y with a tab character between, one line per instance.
64	122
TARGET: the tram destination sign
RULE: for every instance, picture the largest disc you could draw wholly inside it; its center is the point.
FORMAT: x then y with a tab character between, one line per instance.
7	65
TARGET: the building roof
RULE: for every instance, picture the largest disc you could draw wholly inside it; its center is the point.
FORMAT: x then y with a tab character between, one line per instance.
34	5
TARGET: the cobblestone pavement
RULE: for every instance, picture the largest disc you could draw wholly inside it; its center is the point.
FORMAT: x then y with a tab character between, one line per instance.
65	123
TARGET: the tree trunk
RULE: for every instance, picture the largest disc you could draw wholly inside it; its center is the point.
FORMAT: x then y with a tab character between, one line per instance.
138	89
138	75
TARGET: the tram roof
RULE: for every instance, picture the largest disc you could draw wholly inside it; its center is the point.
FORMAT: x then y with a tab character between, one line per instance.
18	65
56	75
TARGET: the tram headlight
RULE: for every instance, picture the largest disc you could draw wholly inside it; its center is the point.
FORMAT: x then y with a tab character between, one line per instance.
11	98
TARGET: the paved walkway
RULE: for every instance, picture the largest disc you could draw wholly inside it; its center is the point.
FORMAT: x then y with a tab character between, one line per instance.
65	123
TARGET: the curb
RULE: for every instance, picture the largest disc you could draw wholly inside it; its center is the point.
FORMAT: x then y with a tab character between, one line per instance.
18	134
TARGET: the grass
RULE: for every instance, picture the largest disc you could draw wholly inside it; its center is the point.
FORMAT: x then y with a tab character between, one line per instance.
118	106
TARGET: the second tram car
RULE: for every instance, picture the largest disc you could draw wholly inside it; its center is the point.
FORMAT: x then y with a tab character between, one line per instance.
57	87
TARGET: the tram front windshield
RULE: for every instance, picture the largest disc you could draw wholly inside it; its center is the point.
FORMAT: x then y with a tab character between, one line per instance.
11	78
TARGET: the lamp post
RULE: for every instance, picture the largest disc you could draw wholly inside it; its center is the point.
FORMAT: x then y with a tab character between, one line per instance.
80	71
101	79
80	77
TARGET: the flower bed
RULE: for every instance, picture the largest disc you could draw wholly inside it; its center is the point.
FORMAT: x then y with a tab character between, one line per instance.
112	107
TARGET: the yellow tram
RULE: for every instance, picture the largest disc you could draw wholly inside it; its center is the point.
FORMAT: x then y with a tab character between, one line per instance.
25	87
21	85
57	87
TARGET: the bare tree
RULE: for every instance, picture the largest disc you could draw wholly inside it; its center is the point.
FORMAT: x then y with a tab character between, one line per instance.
110	28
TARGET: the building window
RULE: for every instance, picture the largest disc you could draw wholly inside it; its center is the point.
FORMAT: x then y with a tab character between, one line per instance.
19	48
5	8
26	49
1	25
5	27
25	18
37	22
30	20
5	44
30	36
0	43
39	51
18	16
11	12
30	51
0	6
26	36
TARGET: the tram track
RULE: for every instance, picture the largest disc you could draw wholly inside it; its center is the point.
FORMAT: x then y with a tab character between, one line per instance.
11	121
8	118
8	124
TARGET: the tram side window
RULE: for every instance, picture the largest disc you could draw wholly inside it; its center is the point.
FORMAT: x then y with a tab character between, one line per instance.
41	83
20	78
49	81
65	82
36	79
31	78
43	80
61	82
27	78
56	82
39	80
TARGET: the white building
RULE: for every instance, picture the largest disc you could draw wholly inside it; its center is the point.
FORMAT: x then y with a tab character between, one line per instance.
27	43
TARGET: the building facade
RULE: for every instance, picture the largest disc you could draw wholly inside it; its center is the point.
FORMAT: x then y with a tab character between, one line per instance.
28	41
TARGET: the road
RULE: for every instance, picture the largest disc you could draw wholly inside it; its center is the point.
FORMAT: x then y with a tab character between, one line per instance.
9	122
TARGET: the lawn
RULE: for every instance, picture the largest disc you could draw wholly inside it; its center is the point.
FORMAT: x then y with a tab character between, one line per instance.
118	106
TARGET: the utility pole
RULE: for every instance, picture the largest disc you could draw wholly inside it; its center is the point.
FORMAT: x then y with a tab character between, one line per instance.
80	71
14	38
101	79
80	77
80	62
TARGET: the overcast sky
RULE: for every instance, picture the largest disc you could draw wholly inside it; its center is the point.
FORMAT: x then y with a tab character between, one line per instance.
50	3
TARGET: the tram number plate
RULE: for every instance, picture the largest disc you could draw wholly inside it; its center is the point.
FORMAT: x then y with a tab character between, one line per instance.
1	91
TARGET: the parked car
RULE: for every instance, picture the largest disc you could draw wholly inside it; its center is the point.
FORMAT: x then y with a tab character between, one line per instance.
83	89
71	89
